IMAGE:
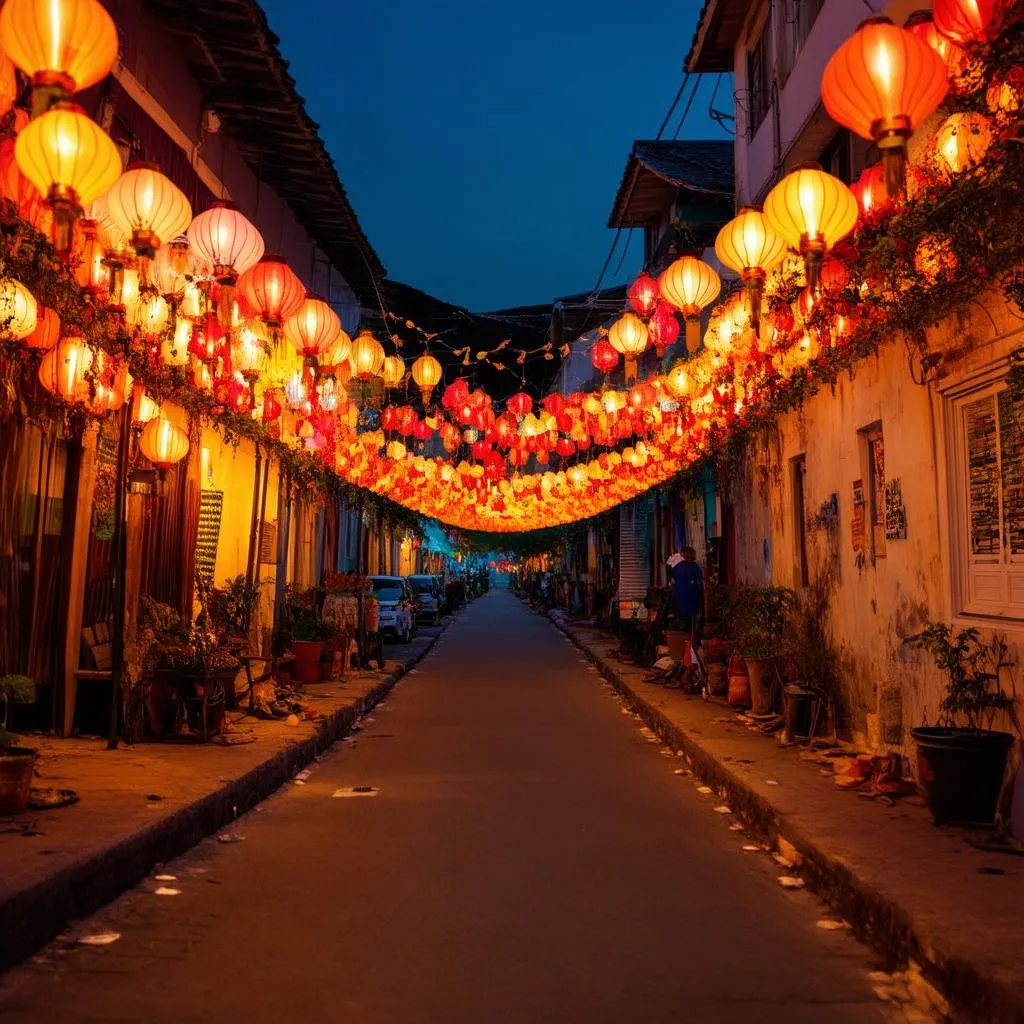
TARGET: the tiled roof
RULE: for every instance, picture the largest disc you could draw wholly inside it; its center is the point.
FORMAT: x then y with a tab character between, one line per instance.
718	30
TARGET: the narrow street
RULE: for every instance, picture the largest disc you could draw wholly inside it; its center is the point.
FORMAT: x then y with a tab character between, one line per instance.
530	856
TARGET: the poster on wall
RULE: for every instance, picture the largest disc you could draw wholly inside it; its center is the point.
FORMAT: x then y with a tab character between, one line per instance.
895	513
211	506
268	543
858	522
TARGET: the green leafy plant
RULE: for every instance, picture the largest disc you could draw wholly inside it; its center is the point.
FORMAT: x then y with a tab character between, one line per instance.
14	689
301	618
973	695
763	616
232	605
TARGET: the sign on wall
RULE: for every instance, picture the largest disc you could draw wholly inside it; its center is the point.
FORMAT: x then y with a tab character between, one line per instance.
268	544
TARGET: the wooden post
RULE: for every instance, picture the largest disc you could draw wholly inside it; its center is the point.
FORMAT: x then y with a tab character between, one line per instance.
120	572
283	528
250	572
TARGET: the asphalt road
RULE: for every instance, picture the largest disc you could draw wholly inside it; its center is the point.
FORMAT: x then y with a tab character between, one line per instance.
529	857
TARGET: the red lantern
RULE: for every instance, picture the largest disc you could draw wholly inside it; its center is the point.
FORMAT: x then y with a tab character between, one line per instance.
663	328
873	199
271	407
421	430
970	21
565	447
272	290
388	418
209	340
554	404
643	295
953	56
505	428
455	394
603	356
834	275
521	404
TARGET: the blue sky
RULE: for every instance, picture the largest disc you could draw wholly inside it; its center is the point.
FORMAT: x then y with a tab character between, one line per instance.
482	142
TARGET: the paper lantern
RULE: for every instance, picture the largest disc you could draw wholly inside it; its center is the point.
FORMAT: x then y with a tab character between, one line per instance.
163	443
426	373
64	46
225	239
149	207
150	314
663	327
678	380
18	310
812	211
250	352
64	368
273	291
960	67
174	350
643	295
962	142
313	327
603	356
393	371
882	83
367	356
47	330
749	246
338	351
690	285
71	160
873	199
144	408
967	21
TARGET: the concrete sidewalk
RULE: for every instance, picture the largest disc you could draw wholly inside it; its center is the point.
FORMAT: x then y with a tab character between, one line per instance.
916	893
143	805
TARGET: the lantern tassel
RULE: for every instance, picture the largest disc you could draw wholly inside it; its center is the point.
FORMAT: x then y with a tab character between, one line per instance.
894	164
692	334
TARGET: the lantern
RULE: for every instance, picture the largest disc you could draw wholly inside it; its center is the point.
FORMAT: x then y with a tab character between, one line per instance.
749	246
367	356
629	335
64	46
63	370
143	408
250	353
873	199
963	21
150	314
46	332
690	285
881	84
678	380
273	290
426	373
271	407
163	443
18	310
959	66
337	351
812	211
91	270
209	340
962	142
312	327
71	160
174	350
643	295
603	356
149	207
663	327
226	240
393	371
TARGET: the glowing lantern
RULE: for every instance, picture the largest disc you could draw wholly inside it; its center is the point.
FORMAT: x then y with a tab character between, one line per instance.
174	350
955	59
250	353
226	240
812	211
64	368
393	371
18	310
71	160
690	285
271	407
150	314
882	83
873	199
749	246
966	21
603	356
91	270
46	332
678	380
643	295
962	142
163	443
64	46
426	374
209	340
295	392
273	290
143	408
148	207
663	327
629	335
520	404
367	356
338	351
312	327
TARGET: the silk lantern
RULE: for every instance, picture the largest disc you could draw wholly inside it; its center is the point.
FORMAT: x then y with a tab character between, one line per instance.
748	245
690	284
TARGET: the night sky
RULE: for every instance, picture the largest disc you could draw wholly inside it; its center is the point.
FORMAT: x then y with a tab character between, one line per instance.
482	142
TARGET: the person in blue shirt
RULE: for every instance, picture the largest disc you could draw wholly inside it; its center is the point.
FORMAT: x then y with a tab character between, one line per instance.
688	583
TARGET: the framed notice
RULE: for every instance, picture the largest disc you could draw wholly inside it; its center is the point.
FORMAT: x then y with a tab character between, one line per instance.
268	544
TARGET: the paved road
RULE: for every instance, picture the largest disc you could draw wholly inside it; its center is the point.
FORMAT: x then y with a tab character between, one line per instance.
530	857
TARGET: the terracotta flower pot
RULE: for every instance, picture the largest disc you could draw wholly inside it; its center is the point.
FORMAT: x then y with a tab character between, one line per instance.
16	764
307	660
760	688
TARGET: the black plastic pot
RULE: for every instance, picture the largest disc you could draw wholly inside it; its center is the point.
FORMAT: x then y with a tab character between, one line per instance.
961	772
798	704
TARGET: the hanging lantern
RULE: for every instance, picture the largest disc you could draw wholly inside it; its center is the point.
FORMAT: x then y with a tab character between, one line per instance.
163	443
91	270
663	327
273	291
18	310
367	356
749	246
271	407
966	21
64	46
47	330
882	83
338	351
393	371
250	354
678	380
962	142
174	350
629	335
520	404
143	408
226	240
603	356
426	374
873	199
148	207
312	327
150	314
295	392
209	340
812	211
71	160
960	67
16	187
63	370
690	285
643	295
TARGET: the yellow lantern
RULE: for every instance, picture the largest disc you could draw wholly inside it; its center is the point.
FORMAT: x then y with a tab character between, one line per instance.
678	380
64	368
64	46
71	160
149	207
367	356
174	350
250	352
313	327
150	314
143	408
962	142
18	310
163	443
629	335
749	246
812	211
338	351
393	371
690	284
426	373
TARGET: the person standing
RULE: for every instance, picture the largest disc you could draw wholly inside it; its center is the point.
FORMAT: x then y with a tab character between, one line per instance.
688	584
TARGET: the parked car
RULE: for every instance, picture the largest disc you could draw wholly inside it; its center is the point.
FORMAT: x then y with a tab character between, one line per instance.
396	607
429	595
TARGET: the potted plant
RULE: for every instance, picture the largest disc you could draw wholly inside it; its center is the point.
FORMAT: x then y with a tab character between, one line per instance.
231	609
763	636
16	763
307	632
962	760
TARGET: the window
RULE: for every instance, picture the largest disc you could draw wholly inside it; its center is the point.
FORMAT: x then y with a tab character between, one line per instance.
846	156
875	452
759	79
988	501
801	573
805	13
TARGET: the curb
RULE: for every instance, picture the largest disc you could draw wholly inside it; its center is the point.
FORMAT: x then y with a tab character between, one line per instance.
882	924
38	914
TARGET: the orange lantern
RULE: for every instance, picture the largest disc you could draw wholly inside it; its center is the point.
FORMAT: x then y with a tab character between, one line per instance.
71	160
629	335
962	142
960	67
163	443
64	369
18	310
426	374
969	21
367	356
149	314
690	284
64	46
149	207
225	239
272	290
393	371
312	327
46	332
882	83
749	246
91	270
338	351
873	199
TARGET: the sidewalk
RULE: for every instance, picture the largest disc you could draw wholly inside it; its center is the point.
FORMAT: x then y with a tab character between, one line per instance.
143	805
916	893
